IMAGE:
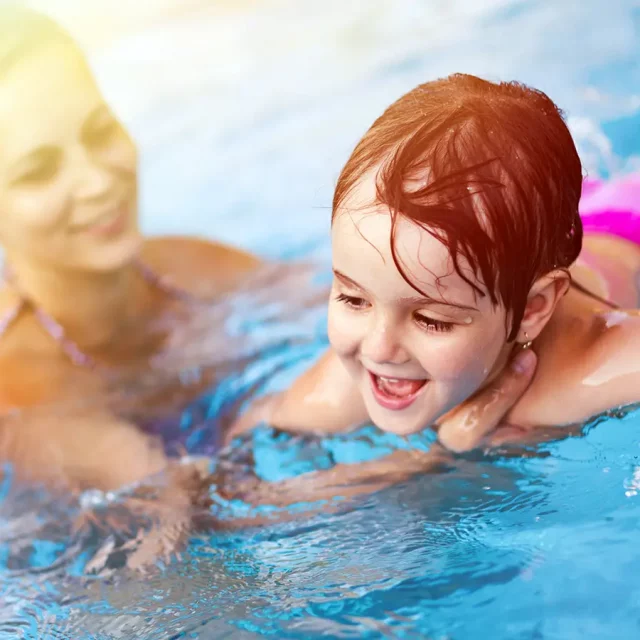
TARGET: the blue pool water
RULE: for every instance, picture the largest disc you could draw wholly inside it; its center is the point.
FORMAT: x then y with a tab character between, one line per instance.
242	135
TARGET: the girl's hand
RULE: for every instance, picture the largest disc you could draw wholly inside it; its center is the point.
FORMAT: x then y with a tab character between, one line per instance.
467	425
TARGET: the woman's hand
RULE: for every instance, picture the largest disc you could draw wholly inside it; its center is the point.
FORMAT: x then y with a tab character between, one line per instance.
150	522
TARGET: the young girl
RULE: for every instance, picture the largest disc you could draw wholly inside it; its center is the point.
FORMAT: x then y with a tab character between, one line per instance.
457	243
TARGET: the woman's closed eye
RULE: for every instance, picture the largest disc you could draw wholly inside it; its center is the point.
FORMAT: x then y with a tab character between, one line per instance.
40	172
353	302
430	324
103	132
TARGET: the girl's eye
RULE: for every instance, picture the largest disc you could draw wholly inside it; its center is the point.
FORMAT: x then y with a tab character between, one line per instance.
432	325
352	301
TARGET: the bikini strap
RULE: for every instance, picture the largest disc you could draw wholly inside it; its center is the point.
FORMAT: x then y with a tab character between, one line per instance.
582	289
7	319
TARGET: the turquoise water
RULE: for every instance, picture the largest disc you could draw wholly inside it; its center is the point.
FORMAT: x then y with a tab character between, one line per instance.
242	136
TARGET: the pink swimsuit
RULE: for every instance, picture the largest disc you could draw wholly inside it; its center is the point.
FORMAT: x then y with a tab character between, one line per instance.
612	207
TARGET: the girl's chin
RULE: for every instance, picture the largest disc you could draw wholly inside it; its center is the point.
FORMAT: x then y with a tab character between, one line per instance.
401	423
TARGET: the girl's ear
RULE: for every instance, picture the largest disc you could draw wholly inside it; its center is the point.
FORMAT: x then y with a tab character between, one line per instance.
542	300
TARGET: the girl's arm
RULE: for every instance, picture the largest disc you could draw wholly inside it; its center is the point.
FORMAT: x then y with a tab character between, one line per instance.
326	400
462	429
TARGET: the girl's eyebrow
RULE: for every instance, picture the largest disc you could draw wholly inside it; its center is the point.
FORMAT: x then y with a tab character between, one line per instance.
347	280
414	300
418	300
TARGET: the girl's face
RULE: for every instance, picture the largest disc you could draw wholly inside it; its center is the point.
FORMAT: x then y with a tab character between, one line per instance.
68	194
413	358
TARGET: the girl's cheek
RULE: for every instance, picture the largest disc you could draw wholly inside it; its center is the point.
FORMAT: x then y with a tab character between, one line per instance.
342	331
450	358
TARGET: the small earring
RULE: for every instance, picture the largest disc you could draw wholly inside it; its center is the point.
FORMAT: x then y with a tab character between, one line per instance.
528	341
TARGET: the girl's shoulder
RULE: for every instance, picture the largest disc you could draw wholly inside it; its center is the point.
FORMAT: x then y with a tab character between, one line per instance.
584	369
612	363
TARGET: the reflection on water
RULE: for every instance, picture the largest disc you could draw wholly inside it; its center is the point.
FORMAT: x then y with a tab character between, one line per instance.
244	117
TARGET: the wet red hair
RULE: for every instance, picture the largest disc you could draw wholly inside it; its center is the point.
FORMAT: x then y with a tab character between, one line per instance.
489	169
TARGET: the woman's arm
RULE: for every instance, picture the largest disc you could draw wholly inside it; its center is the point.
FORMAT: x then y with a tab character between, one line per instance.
201	266
155	498
77	449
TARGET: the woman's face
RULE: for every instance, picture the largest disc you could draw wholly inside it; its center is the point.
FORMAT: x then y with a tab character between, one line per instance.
413	358
68	169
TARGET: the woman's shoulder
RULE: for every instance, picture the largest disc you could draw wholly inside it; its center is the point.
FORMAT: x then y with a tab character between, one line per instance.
20	336
198	264
9	301
613	362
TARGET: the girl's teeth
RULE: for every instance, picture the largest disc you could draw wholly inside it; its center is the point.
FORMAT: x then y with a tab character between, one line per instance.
399	387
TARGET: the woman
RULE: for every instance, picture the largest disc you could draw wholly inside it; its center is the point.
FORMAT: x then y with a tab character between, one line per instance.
84	292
